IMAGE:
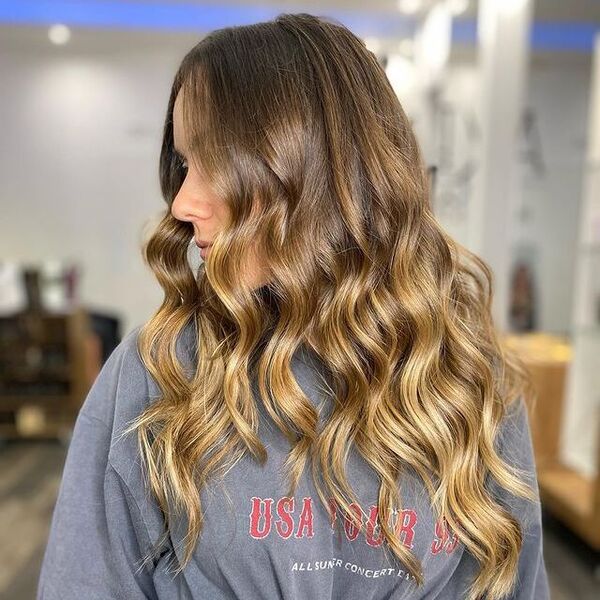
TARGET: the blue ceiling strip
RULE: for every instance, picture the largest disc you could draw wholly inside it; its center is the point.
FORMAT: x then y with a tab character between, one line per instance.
575	36
544	35
182	16
564	36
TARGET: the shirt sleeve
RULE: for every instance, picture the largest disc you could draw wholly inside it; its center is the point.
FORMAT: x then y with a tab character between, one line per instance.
515	447
97	536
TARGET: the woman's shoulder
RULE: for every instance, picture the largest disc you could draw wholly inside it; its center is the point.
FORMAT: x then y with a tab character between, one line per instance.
514	432
120	380
124	386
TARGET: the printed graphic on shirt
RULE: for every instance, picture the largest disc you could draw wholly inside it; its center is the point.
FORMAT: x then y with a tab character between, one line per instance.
283	518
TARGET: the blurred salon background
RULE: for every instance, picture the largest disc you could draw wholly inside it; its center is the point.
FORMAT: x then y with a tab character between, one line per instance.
505	98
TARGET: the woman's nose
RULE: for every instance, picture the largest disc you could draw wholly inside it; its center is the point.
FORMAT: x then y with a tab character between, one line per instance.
187	207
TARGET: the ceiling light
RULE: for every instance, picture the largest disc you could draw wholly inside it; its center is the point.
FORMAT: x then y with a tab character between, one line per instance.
59	34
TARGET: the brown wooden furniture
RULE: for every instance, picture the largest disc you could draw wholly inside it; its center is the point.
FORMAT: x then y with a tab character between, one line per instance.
47	364
569	495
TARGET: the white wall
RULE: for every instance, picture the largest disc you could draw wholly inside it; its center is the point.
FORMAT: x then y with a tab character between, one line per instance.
82	126
546	214
81	132
545	218
559	95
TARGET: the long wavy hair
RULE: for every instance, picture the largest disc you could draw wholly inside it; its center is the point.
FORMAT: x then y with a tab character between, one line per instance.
299	131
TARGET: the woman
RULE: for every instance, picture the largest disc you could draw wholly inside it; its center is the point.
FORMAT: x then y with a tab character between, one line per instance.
324	409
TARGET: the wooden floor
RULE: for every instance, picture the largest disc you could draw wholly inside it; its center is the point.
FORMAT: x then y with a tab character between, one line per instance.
29	480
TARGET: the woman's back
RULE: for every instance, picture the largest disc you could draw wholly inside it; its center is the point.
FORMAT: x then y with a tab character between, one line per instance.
256	542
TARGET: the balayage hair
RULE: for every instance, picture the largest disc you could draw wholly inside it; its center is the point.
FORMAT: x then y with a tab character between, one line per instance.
300	133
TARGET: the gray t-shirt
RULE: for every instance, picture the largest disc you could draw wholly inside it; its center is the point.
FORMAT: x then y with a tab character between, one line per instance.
256	542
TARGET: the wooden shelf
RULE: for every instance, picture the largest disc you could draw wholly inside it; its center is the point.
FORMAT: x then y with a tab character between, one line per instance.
566	489
48	362
567	494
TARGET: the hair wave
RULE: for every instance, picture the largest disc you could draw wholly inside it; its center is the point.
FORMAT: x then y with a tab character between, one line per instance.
298	129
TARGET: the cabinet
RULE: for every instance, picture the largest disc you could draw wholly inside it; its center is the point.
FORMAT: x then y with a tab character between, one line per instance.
47	364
